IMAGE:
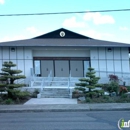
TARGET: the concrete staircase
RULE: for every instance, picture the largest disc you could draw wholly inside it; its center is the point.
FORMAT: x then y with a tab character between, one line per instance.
55	93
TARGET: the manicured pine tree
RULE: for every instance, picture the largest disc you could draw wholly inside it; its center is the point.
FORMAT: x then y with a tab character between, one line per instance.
90	82
8	78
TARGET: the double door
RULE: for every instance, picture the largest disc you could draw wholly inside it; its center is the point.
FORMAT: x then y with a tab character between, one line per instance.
63	68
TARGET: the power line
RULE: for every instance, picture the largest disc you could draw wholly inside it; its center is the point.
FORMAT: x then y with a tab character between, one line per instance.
56	13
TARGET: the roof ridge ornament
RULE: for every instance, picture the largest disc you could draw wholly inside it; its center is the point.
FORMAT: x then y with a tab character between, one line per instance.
62	33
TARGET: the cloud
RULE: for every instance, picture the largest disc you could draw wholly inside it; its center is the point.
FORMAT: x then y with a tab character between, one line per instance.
7	38
97	35
71	22
123	28
31	29
2	1
92	34
98	18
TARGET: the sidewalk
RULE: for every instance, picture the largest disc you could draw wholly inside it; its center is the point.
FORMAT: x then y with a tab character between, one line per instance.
65	107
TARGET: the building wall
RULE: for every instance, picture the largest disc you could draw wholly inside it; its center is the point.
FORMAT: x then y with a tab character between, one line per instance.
107	62
61	53
22	57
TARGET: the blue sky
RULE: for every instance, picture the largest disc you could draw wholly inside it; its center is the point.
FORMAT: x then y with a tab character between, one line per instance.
110	26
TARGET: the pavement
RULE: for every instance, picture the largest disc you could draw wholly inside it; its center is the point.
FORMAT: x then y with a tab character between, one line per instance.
62	105
51	101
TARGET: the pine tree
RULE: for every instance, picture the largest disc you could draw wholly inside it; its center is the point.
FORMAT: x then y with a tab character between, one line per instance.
90	82
8	78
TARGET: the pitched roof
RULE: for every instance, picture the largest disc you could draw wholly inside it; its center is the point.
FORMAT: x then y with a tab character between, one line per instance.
62	33
63	38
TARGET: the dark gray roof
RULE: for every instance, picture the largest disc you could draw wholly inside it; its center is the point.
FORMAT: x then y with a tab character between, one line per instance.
70	39
64	43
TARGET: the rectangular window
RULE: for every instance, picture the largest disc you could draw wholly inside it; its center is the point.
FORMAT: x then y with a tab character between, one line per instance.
37	67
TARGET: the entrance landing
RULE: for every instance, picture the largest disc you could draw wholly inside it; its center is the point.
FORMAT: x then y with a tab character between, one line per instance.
51	101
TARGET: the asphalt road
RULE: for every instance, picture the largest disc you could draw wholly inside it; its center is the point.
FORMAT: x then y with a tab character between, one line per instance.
93	120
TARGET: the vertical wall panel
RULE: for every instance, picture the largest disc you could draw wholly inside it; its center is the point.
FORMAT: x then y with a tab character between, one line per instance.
0	65
124	53
102	65
20	54
109	54
94	64
1	53
117	66
117	53
28	53
94	53
5	53
12	53
94	60
103	74
28	66
20	66
102	68
125	66
125	61
102	54
110	66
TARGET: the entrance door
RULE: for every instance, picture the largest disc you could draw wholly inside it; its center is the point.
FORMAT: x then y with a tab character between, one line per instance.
46	67
61	68
76	68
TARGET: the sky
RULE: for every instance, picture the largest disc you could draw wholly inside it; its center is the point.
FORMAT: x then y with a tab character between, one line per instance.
109	26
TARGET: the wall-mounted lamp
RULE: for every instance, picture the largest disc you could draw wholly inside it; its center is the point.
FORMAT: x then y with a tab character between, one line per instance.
12	49
109	49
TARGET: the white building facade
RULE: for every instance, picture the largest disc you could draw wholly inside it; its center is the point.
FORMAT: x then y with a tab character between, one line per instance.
65	54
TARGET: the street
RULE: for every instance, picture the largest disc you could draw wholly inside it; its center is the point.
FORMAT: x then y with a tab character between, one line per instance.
90	120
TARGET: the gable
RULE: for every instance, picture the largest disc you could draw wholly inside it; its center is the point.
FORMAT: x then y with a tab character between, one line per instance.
62	33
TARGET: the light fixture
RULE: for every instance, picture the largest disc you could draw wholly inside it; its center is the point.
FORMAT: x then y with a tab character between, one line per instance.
12	49
109	49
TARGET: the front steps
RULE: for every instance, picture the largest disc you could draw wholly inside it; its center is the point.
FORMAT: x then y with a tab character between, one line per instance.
55	93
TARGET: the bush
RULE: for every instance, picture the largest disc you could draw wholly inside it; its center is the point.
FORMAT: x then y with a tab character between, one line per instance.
113	87
88	99
123	96
105	97
8	101
22	95
19	94
128	88
114	78
34	94
123	90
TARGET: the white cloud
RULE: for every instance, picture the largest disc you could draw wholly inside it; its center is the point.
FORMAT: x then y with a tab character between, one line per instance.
123	28
2	1
31	29
71	22
98	18
97	35
7	38
92	34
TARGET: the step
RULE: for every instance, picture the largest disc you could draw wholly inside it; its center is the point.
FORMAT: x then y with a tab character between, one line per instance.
55	92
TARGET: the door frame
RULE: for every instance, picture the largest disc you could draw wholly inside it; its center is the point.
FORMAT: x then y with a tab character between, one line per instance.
61	58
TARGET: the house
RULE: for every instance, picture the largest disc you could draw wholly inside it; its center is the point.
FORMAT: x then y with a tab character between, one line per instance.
65	53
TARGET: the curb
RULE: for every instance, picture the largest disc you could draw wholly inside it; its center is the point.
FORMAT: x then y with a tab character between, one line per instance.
64	108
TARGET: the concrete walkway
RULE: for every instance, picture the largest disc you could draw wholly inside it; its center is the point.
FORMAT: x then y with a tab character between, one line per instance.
51	101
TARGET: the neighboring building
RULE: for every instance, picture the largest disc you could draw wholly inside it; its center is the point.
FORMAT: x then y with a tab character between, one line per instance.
64	52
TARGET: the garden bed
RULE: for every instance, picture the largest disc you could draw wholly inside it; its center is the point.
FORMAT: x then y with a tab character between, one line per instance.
107	99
